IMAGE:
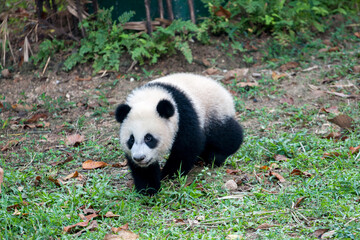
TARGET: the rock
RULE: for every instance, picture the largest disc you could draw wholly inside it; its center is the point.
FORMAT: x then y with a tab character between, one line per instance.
212	71
357	69
5	73
230	185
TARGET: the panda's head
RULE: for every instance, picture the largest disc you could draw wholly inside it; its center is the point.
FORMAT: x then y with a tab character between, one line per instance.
147	129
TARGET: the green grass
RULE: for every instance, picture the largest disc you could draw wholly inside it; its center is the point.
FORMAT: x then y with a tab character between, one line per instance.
194	207
331	193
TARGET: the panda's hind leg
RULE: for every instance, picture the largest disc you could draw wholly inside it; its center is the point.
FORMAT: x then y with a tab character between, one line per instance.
223	138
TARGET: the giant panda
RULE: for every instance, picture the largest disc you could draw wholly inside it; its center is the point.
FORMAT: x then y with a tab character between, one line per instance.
184	115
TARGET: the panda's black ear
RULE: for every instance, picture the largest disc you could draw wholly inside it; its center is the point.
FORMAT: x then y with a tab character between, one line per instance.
121	112
165	109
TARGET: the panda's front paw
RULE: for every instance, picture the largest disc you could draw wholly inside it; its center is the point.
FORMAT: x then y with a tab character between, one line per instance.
146	188
148	191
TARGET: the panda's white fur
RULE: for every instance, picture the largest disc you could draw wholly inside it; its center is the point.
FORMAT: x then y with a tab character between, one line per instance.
143	119
197	119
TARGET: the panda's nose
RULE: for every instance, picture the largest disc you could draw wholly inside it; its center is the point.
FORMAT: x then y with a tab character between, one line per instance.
139	158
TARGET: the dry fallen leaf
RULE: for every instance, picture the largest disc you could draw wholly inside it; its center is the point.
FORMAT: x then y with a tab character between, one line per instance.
357	34
122	235
23	203
289	65
265	167
89	210
212	71
42	125
91	216
331	154
298	201
113	237
278	176
71	175
333	109
280	158
265	226
336	136
90	164
79	224
37	180
238	73
328	234
119	165
206	62
56	181
343	121
35	118
333	49
93	225
232	171
318	233
11	143
1	177
221	12
77	78
297	172
74	140
354	150
111	215
21	107
276	76
124	227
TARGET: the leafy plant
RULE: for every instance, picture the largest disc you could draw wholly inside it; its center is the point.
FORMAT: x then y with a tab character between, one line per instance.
105	45
47	49
283	19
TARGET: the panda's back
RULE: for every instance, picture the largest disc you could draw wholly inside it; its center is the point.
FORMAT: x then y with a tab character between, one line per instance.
210	100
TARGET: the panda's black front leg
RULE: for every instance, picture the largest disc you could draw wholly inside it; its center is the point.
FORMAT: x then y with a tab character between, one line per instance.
146	179
176	163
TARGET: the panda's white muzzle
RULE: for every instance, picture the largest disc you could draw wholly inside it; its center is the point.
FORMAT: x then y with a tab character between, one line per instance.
140	154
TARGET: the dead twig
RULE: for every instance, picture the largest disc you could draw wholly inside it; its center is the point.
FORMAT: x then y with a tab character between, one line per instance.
4	34
47	63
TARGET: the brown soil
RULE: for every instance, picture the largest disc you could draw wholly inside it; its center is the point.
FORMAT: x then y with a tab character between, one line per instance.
87	91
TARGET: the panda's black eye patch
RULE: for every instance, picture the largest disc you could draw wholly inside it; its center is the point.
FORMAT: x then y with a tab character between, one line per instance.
130	141
150	141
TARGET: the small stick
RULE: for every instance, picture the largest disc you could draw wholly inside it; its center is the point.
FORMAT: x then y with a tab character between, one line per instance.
47	63
132	66
302	146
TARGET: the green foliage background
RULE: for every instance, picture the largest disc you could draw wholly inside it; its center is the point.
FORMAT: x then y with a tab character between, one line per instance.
286	21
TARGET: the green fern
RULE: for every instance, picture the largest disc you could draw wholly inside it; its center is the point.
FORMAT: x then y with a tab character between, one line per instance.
184	48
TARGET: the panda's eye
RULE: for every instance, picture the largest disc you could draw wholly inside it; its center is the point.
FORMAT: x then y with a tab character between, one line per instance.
148	138
131	139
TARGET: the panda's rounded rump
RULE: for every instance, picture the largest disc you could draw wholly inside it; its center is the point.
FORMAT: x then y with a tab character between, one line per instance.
210	99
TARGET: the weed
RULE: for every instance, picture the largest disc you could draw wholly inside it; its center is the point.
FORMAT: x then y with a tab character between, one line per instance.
107	42
47	49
